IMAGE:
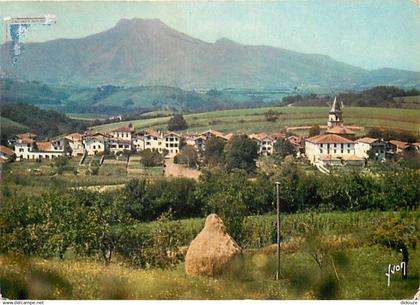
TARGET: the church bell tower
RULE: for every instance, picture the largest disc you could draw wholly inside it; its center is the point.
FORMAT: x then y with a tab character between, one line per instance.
335	117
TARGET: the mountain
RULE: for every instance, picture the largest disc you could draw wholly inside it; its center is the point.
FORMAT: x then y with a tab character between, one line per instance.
148	52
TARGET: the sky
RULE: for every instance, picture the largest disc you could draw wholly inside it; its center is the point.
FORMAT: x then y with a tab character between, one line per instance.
370	34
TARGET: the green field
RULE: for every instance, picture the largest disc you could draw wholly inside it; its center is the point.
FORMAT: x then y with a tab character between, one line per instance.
252	119
359	269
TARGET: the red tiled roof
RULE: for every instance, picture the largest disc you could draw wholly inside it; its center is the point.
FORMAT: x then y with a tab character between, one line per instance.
26	135
400	144
213	133
367	140
151	132
25	141
328	139
6	150
44	146
278	135
74	137
260	136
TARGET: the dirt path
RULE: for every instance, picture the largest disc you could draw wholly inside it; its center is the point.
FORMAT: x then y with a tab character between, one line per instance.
177	170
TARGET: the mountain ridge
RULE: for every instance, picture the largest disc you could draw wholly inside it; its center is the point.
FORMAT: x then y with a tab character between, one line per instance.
149	52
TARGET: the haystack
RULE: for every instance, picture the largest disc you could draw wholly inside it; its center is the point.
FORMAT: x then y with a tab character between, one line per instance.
213	250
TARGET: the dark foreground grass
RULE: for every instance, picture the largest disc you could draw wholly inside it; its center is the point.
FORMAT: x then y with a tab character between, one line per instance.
360	273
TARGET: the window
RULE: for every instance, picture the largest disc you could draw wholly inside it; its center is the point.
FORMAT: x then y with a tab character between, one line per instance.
348	151
342	151
320	151
335	151
155	138
120	146
335	144
21	149
342	146
94	147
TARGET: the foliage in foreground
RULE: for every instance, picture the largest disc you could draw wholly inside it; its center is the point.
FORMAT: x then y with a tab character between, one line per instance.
360	272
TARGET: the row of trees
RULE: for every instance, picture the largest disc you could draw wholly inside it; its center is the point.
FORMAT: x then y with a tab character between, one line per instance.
101	224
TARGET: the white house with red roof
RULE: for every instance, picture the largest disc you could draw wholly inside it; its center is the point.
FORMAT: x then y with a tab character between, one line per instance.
331	149
363	145
264	142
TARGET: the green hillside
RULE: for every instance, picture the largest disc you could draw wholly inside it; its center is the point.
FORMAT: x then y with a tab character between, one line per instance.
253	119
17	118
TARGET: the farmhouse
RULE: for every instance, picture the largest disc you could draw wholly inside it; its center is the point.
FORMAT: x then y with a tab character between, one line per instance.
171	142
138	142
75	142
197	141
399	145
124	133
376	146
95	143
265	143
328	147
152	140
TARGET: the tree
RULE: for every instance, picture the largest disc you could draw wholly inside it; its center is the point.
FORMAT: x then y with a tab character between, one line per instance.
134	196
283	148
241	152
314	131
188	156
270	116
177	122
150	158
60	163
398	234
213	153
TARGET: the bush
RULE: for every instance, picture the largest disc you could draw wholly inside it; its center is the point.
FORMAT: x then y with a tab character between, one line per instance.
177	122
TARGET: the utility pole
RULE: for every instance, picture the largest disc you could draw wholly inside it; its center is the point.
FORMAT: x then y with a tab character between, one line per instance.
278	232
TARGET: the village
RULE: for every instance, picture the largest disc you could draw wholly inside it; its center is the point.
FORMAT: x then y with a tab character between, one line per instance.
337	146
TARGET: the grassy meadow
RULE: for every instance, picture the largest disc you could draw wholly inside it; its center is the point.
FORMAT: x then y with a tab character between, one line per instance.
359	266
253	120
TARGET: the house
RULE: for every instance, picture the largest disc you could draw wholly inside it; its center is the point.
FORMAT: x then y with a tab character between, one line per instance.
117	145
47	150
378	147
138	142
171	142
217	134
264	142
323	148
60	144
24	147
197	141
400	145
153	140
95	143
124	133
75	142
278	136
27	135
6	153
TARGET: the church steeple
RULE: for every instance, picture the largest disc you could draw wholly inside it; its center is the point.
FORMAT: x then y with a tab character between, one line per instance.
335	117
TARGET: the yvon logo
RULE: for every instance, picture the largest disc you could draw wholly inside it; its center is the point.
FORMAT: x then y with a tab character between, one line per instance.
402	267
